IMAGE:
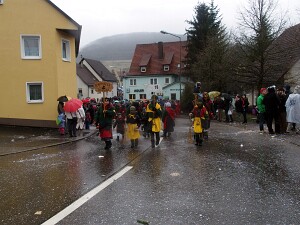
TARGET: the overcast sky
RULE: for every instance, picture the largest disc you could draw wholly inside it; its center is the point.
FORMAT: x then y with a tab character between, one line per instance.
102	18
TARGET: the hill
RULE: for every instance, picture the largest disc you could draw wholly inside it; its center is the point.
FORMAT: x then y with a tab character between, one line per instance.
121	46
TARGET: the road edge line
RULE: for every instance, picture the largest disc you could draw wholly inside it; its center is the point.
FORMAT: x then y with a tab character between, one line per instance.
79	202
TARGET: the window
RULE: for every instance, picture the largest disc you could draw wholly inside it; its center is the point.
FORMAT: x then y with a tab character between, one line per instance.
142	96
131	96
1	2
166	67
79	94
66	53
92	91
34	92
173	96
167	80
31	47
143	69
155	86
132	82
153	81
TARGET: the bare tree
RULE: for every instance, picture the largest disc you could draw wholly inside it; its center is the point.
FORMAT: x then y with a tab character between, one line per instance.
259	26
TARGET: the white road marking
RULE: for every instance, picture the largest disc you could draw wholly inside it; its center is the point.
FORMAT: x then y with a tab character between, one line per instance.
79	202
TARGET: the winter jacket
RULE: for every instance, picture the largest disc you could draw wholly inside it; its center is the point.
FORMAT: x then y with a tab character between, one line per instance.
293	108
271	102
259	102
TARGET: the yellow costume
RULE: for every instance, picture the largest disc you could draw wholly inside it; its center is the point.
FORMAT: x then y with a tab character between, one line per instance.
132	129
154	117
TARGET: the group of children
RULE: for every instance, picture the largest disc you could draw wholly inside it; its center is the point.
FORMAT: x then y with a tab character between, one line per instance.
128	121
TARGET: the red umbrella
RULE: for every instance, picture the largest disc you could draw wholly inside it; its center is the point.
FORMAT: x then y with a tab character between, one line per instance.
85	101
72	105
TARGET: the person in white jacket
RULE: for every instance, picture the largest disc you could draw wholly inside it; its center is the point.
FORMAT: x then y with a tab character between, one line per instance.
293	107
80	118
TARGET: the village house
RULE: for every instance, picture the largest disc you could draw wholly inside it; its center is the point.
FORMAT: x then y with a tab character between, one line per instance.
286	51
155	69
283	62
39	45
89	72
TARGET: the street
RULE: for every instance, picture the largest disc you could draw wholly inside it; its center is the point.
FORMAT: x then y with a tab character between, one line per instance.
238	176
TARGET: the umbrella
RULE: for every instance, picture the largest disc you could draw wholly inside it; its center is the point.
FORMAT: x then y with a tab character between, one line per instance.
214	94
63	98
227	96
85	101
72	105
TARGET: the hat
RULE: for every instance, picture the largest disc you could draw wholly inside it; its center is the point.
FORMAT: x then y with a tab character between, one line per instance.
132	109
154	97
271	88
262	90
297	89
287	87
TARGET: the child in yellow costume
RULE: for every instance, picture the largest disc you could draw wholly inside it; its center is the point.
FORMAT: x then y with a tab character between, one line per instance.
199	113
154	114
133	122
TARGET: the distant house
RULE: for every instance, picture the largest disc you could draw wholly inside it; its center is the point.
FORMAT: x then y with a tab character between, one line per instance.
155	69
89	72
286	50
39	45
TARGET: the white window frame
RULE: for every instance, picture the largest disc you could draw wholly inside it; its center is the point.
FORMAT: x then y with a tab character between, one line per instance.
66	52
166	67
1	2
153	81
132	82
133	96
143	69
23	53
167	79
142	96
28	84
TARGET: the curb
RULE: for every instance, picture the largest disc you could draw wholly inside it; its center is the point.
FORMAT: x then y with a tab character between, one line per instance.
51	145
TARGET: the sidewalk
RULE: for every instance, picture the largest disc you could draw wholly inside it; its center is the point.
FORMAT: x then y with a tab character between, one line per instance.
16	139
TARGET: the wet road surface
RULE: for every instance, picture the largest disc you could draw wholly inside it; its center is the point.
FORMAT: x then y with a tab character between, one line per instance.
237	177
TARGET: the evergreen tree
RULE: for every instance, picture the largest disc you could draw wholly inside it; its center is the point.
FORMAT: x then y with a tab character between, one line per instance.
206	48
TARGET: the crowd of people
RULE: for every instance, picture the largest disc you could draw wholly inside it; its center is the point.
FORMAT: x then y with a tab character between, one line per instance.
281	107
275	106
128	118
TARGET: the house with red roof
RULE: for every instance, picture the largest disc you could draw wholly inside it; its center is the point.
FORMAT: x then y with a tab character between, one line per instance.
156	70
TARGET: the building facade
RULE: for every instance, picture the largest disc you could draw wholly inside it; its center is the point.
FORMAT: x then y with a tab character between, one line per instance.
89	72
156	70
39	45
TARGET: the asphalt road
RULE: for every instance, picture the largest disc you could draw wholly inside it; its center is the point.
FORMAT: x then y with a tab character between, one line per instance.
238	176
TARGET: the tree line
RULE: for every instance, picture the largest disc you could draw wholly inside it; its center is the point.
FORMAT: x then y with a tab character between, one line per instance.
234	63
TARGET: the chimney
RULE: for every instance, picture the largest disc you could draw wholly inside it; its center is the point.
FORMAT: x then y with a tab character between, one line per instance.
160	50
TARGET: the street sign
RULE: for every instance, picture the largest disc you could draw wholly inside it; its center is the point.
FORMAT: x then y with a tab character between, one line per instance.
103	86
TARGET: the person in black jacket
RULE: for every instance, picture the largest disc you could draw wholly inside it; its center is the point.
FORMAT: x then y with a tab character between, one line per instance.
271	102
244	104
